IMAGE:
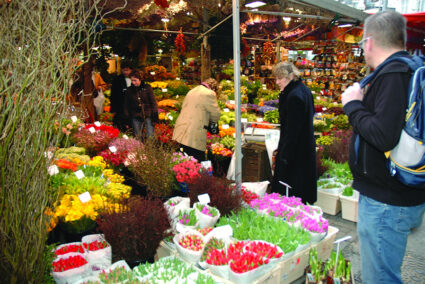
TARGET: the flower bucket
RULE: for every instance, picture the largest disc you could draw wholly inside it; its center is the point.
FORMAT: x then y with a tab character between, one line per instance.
189	255
205	220
219	270
99	258
175	204
74	274
317	237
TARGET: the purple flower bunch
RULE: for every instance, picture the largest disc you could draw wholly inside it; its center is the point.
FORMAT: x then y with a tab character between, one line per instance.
272	103
316	225
265	109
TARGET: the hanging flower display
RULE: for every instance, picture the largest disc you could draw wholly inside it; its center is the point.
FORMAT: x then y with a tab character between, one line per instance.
245	48
268	50
162	3
180	43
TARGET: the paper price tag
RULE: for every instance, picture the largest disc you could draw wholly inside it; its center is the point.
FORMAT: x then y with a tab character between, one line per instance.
84	197
79	174
74	119
113	149
264	87
152	73
177	96
92	130
125	136
97	123
53	170
204	198
226	109
178	78
259	119
225	126
164	90
232	102
49	155
234	135
244	120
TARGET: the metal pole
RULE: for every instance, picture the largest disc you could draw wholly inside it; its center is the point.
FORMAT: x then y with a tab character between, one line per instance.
211	29
111	28
237	83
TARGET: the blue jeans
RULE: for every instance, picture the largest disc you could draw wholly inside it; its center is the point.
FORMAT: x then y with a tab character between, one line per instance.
138	126
383	231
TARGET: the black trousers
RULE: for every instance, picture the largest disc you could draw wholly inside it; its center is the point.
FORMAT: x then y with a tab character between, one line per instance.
197	154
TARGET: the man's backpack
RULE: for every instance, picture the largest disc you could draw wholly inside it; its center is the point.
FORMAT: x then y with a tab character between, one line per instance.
406	161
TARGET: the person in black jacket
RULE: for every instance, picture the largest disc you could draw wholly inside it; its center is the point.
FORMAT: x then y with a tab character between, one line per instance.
295	162
388	209
118	92
140	106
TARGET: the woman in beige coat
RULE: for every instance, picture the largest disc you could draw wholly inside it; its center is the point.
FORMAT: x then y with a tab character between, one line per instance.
198	109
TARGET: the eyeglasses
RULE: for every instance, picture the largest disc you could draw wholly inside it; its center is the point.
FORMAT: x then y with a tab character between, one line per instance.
361	43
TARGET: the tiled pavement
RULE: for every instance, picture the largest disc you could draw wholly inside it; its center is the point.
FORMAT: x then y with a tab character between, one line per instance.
413	269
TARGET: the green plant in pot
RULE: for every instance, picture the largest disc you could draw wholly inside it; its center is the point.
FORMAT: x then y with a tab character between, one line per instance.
136	229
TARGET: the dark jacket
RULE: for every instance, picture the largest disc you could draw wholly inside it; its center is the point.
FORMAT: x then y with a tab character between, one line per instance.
296	156
378	120
118	90
140	102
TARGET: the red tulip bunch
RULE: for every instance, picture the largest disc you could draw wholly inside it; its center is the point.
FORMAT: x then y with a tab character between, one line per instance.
217	257
96	245
192	242
71	262
213	244
264	249
69	248
247	261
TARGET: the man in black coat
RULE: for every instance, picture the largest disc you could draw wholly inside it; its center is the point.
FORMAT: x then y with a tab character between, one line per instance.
388	209
118	92
295	162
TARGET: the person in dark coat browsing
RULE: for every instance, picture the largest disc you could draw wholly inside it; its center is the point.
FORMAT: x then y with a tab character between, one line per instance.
295	162
140	106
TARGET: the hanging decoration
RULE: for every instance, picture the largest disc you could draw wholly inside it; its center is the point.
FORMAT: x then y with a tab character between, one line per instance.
180	43
245	48
268	50
162	3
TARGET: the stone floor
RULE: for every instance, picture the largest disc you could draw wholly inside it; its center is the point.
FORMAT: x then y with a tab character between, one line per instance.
413	269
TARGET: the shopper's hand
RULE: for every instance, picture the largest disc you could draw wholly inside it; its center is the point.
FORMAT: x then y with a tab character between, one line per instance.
352	93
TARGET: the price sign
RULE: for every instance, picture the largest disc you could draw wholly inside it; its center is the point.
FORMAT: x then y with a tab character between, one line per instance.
225	126
125	136
259	119
92	130
79	174
84	197
74	119
97	123
53	170
226	109
113	149
204	198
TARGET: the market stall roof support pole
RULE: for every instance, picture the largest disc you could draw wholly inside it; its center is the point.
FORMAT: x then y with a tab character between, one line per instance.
212	28
337	8
237	84
111	28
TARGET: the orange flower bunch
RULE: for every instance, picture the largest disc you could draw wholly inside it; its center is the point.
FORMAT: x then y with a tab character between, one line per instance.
219	150
67	165
226	132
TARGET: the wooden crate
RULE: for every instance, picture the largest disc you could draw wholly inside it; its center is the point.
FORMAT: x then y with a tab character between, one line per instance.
255	163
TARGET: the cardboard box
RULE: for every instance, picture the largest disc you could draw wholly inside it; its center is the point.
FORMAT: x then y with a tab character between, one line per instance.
350	207
329	202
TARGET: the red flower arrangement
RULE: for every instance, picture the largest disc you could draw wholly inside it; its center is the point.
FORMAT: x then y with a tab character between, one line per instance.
217	257
96	245
248	196
65	164
163	133
69	248
116	158
110	130
247	261
187	171
71	262
264	249
180	44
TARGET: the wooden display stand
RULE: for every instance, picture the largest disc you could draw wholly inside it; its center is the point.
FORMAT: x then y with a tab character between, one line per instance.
255	163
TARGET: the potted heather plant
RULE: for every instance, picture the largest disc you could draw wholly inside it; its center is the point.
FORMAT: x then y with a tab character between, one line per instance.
136	229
